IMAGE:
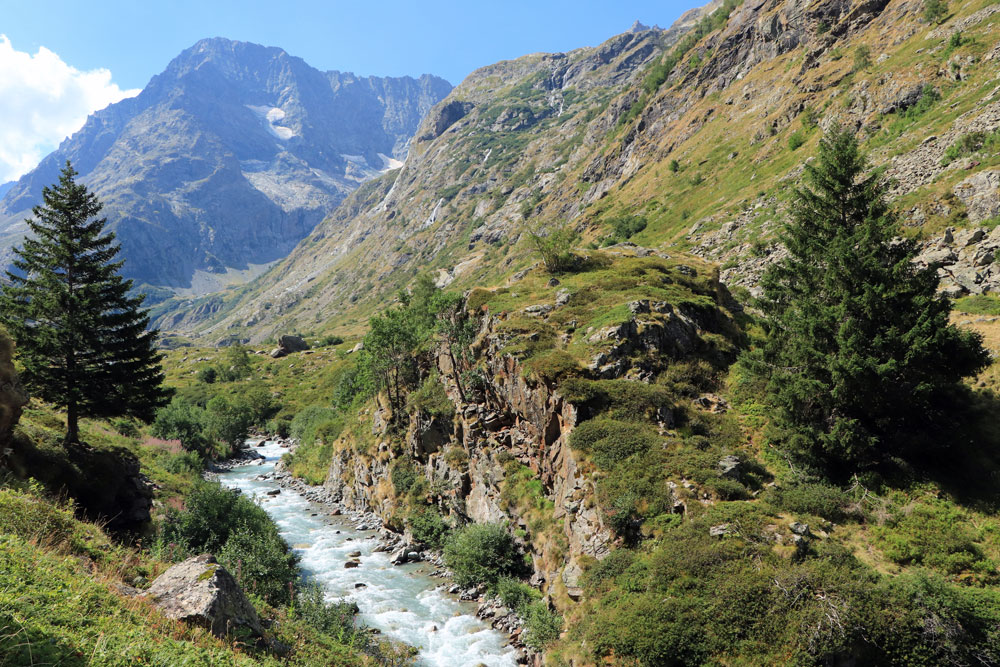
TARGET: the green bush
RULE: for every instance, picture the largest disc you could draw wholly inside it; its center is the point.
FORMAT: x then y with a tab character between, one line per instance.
457	457
482	554
207	375
515	594
609	441
183	420
308	420
245	539
553	365
795	140
431	399
261	562
428	526
556	248
335	619
824	500
541	625
404	475
937	534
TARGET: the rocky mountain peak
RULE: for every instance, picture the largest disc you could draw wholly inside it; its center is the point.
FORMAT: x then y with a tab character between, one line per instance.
228	158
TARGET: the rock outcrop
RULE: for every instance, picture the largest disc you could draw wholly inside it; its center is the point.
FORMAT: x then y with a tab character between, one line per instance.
201	592
12	396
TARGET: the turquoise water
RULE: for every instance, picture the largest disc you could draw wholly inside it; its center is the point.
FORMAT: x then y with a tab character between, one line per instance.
401	601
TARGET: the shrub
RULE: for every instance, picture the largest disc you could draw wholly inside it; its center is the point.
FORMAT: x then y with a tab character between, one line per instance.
969	143
335	619
428	526
515	594
624	227
310	422
796	140
404	475
609	441
126	427
553	365
182	420
456	457
431	399
937	534
604	572
862	58
556	248
219	521
261	562
541	624
824	500
935	11
182	463
228	420
482	554
208	375
674	166
618	399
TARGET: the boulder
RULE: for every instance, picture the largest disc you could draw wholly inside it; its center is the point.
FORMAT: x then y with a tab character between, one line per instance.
292	344
12	397
201	592
981	195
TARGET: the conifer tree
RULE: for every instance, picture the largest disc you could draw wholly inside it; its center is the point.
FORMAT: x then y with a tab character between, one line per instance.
82	339
858	350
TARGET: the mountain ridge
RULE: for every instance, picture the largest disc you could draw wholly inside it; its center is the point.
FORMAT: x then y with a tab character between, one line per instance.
229	156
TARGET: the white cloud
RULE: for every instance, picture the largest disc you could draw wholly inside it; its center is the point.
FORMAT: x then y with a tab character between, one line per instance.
42	101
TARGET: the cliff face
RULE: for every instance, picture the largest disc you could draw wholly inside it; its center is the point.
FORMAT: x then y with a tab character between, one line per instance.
505	455
12	396
228	158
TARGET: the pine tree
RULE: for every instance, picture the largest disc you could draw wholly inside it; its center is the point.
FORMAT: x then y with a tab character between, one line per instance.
858	350
82	339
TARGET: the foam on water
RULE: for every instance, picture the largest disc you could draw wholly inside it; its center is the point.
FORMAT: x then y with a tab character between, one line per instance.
398	600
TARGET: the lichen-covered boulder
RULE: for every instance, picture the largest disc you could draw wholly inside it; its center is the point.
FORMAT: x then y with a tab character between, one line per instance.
201	592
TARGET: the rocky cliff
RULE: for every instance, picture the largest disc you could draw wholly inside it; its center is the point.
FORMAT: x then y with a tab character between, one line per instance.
505	453
228	158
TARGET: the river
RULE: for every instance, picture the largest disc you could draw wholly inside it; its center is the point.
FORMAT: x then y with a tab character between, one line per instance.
401	601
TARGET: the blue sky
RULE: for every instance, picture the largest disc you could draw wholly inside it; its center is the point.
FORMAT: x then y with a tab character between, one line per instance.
63	59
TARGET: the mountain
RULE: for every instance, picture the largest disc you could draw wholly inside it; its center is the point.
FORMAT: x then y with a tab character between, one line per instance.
228	158
686	138
500	136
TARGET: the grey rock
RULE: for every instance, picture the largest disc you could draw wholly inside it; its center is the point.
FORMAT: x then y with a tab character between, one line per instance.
799	528
730	466
201	592
981	195
291	343
720	530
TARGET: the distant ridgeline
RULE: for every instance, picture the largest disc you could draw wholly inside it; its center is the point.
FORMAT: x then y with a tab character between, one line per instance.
227	159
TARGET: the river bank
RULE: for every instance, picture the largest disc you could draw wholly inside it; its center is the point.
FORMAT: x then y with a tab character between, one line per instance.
351	555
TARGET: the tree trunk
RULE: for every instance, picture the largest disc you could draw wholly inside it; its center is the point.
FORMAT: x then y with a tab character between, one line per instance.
72	424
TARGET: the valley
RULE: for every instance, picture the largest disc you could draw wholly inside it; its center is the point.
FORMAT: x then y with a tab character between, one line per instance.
680	349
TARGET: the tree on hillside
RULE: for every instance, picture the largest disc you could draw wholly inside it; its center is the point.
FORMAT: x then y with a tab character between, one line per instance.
82	339
858	349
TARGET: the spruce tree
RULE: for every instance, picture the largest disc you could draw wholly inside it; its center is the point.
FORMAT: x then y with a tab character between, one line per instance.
82	339
858	351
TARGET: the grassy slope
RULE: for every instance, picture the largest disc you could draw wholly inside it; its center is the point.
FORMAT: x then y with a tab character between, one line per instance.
60	601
